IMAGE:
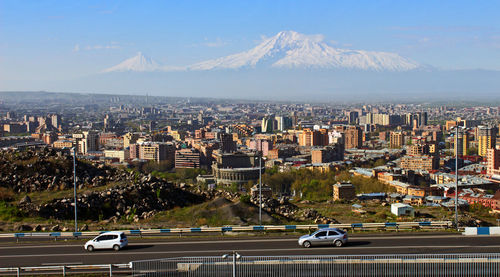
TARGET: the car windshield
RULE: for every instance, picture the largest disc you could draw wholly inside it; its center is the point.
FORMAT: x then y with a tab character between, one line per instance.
340	231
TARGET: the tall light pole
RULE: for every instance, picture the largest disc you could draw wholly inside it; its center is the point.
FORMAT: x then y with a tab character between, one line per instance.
74	186
260	189
456	176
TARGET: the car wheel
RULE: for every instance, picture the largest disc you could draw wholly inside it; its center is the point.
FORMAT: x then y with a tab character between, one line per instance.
90	248
306	244
338	243
116	247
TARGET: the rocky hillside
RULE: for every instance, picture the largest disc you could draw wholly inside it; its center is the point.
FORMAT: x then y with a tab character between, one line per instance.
30	171
111	193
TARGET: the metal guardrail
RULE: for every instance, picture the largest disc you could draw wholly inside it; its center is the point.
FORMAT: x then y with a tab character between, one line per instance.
352	226
339	266
64	269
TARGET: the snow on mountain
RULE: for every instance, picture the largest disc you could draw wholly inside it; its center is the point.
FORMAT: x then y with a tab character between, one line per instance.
289	49
138	63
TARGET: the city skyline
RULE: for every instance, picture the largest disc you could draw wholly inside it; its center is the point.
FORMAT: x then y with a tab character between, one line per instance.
67	46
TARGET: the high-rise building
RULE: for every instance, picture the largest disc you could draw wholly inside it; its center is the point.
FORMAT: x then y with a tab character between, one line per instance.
310	137
283	123
353	137
353	117
462	144
422	118
108	122
89	142
486	138
56	120
267	124
397	139
493	158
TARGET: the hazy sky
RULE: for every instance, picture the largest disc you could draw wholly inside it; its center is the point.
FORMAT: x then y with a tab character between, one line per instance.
57	40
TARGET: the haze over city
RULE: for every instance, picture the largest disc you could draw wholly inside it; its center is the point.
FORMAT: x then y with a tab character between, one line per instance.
275	50
250	138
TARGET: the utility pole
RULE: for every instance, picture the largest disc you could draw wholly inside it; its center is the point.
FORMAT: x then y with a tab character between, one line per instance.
456	176
74	186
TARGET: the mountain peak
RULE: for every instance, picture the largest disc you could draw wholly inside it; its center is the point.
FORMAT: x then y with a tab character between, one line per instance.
286	49
290	49
139	63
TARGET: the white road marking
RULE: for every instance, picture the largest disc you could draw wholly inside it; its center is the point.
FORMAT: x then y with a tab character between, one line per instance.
125	252
75	263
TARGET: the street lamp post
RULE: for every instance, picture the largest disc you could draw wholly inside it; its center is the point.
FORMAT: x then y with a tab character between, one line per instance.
236	256
260	189
456	176
74	186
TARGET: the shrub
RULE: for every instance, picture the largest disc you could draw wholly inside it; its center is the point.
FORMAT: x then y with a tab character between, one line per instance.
9	212
245	198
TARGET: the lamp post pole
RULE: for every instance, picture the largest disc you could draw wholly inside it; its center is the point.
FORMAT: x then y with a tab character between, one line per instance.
260	189
456	176
234	263
74	186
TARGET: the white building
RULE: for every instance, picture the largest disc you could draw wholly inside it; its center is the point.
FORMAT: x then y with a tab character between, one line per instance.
120	154
401	209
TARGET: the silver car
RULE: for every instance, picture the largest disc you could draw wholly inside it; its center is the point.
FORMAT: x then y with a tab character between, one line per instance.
327	236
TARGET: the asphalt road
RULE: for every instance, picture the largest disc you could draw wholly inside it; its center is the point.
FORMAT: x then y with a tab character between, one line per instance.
57	253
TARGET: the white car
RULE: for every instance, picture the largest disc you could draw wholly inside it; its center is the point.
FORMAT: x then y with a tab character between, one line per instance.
110	240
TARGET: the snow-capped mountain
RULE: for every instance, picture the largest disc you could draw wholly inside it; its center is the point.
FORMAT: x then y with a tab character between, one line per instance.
289	49
138	63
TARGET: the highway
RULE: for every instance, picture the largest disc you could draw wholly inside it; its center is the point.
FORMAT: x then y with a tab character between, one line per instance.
36	253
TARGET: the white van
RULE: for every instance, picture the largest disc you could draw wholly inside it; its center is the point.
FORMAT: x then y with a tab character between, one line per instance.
110	240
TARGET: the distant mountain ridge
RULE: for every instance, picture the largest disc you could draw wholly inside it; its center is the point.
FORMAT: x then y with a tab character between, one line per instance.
287	49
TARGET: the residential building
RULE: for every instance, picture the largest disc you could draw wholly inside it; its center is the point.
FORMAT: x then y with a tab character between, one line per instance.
152	151
187	158
397	139
310	137
344	191
327	154
63	144
493	160
486	138
427	163
353	137
261	145
130	138
461	145
89	142
122	155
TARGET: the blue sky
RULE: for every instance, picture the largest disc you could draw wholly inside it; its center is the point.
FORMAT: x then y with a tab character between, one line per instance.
58	40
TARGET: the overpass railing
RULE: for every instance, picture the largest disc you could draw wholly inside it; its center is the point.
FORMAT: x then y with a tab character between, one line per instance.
64	270
338	266
224	229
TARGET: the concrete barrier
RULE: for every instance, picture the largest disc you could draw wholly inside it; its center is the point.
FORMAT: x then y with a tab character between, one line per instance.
481	231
